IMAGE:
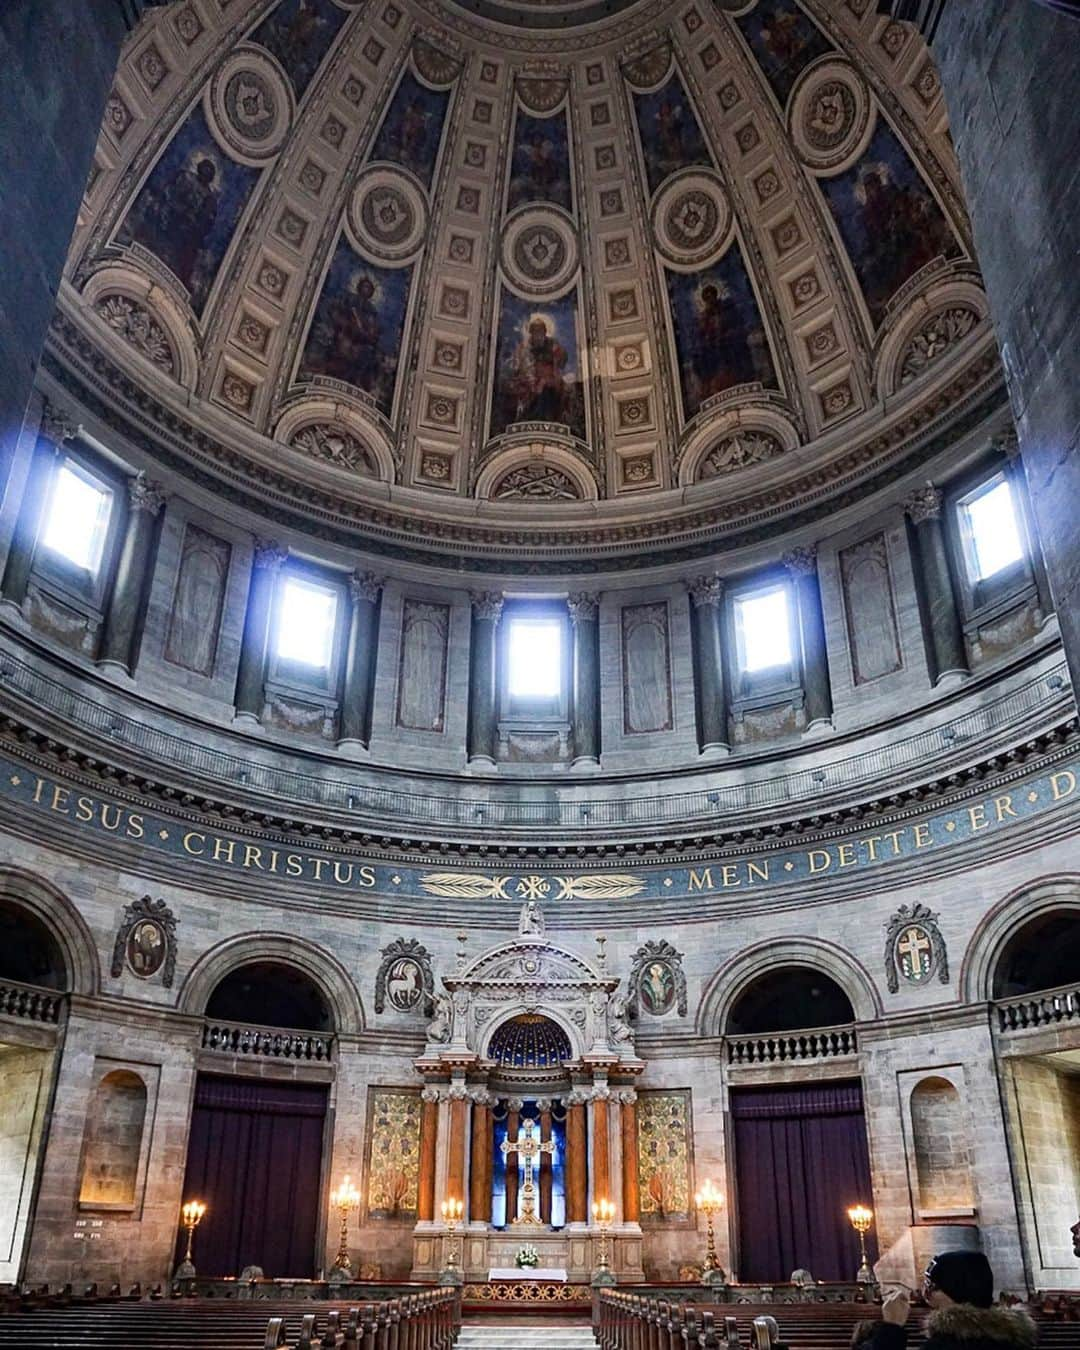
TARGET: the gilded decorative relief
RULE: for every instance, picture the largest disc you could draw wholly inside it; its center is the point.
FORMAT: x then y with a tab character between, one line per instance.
393	1166
665	1156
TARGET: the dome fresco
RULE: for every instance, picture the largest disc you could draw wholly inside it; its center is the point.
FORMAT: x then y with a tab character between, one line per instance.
561	278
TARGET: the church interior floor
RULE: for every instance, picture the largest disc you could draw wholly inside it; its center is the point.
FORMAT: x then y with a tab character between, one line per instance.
516	1333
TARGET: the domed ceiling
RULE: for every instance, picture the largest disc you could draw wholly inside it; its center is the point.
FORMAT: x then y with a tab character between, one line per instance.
567	278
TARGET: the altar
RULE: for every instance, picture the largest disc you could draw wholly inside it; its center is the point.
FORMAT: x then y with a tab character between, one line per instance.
529	1122
551	1274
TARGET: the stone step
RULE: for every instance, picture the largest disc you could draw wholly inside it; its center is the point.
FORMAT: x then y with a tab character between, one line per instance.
516	1337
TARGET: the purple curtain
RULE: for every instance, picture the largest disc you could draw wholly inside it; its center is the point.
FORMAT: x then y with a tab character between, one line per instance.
255	1158
800	1160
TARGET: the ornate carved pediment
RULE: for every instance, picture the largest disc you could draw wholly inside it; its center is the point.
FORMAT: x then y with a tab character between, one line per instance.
530	974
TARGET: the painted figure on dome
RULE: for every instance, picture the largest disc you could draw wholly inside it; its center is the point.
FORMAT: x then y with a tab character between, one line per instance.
357	330
411	131
719	335
536	365
784	39
189	206
299	33
671	137
540	166
890	221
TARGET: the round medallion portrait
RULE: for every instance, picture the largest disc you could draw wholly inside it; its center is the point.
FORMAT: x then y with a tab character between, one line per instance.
146	948
404	984
656	988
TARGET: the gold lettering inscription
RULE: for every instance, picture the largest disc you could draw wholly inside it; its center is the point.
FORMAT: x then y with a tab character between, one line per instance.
1003	806
845	855
1062	784
252	856
813	857
189	843
60	797
977	815
757	872
923	837
225	847
84	808
366	875
701	881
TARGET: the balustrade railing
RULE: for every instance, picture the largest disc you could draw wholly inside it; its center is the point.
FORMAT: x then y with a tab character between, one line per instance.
31	1002
1045	1009
788	1047
237	1038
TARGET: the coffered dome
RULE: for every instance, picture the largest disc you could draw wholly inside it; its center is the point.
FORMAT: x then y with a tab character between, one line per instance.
529	282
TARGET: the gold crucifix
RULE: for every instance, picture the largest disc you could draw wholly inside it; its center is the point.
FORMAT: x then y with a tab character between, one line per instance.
529	1148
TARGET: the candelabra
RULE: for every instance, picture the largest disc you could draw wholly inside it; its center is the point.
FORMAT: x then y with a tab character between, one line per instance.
603	1213
345	1199
452	1210
709	1200
861	1219
190	1217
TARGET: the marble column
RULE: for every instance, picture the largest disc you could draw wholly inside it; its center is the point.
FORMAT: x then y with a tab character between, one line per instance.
483	686
601	1145
631	1195
577	1155
1008	74
429	1142
59	62
941	618
54	433
480	1161
513	1124
1008	445
707	600
359	679
545	1162
801	564
585	616
127	604
251	676
456	1145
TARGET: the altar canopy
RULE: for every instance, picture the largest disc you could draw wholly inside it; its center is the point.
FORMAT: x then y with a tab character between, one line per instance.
801	1159
255	1158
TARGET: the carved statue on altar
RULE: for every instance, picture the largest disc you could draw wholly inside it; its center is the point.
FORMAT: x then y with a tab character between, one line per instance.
531	920
438	1032
619	1031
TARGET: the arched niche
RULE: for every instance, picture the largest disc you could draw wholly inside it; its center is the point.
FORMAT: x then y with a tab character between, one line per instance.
942	1147
329	976
1044	953
270	994
529	1041
737	974
788	998
113	1141
61	948
994	957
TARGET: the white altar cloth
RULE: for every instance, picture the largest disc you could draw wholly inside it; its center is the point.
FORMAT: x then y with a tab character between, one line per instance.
527	1273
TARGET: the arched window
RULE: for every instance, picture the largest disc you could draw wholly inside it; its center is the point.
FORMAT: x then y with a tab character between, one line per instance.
942	1147
1043	954
270	994
789	998
29	954
112	1142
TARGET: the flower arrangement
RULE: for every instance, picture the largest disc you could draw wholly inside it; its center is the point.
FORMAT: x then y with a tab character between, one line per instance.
528	1258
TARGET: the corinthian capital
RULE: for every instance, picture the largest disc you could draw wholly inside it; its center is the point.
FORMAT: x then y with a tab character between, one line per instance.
365	586
487	604
583	606
924	504
801	562
269	554
145	495
56	426
706	591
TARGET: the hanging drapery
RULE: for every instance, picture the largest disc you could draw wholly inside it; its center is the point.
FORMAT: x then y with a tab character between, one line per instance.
255	1159
801	1160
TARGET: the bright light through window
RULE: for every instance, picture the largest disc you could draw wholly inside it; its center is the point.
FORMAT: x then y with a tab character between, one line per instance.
992	531
76	518
535	658
306	619
764	630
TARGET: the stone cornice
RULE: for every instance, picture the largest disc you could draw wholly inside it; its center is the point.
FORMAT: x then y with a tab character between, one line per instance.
671	535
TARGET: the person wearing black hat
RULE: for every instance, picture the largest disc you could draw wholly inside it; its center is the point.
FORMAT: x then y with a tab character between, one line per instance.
959	1289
